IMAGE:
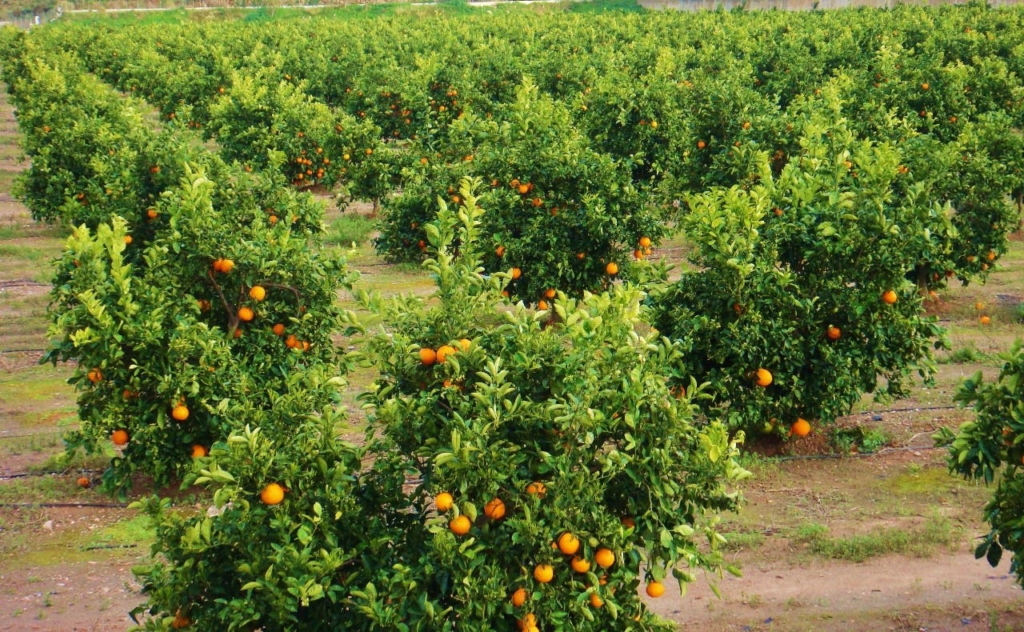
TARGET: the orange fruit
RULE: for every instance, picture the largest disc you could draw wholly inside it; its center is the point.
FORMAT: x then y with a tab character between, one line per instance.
127	239
443	501
523	189
612	268
889	297
272	219
550	293
198	451
465	344
764	378
180	621
985	320
537	488
119	437
95	376
227	265
568	544
151	213
645	242
542	305
924	86
495	509
500	251
800	428
460	525
180	412
979	306
516	273
272	494
991	256
291	341
604	557
628	522
443	352
833	333
257	293
278	329
581	255
701	144
528	623
595	599
519	597
83	482
543	573
638	254
246	314
655	589
427	356
579	564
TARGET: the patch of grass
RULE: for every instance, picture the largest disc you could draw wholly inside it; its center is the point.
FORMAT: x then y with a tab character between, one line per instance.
968	354
137	530
348	230
937	531
38	489
742	540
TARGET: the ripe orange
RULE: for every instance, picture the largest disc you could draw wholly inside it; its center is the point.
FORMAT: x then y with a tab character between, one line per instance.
604	557
542	305
272	494
246	314
152	213
528	623
764	378
519	597
444	502
581	255
833	333
612	268
596	600
991	256
257	293
889	297
550	293
645	242
638	254
127	239
95	376
427	356
568	544
985	320
500	251
291	342
701	144
523	189
537	488
580	565
460	525
227	265
443	352
924	86
495	509
655	589
180	621
516	273
119	437
800	428
180	412
83	482
465	344
278	329
198	451
628	522
543	573
979	306
272	219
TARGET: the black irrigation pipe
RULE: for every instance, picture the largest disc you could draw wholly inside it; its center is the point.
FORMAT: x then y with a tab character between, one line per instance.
22	350
4	477
854	455
59	505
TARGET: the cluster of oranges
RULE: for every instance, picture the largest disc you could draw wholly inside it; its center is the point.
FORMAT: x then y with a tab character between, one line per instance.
429	356
308	170
567	543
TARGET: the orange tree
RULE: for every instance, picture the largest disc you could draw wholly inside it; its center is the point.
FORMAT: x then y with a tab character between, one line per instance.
567	217
557	472
221	304
258	114
991	447
797	302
